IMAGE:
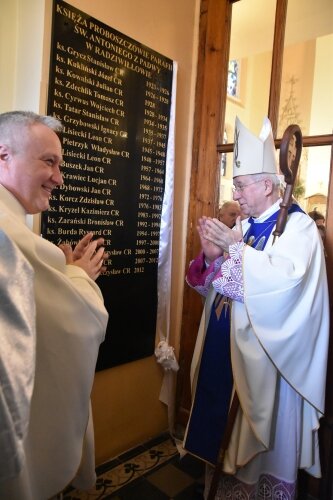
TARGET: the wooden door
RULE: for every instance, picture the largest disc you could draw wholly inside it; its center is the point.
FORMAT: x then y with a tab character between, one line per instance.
209	115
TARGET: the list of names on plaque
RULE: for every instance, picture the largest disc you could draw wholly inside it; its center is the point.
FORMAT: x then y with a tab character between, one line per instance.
113	97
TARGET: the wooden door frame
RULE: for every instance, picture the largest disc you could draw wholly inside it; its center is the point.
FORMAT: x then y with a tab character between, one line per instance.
214	42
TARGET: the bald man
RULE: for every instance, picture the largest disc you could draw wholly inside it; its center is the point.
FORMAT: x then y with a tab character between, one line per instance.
229	212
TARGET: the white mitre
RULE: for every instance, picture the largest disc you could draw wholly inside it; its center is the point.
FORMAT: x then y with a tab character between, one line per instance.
254	155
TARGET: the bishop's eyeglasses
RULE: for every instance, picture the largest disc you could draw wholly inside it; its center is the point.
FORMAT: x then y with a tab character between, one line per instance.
240	188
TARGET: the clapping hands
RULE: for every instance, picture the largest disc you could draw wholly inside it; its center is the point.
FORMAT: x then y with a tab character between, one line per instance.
88	254
216	237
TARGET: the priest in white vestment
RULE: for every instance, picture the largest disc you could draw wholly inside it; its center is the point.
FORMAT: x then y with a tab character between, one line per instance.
51	441
264	334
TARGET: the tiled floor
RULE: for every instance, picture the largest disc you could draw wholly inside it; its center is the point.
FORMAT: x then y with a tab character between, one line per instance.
153	471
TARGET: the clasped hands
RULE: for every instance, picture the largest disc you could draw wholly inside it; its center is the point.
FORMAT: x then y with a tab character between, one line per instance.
88	254
216	237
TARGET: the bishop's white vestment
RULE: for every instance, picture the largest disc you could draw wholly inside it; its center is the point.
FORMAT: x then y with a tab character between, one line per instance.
278	344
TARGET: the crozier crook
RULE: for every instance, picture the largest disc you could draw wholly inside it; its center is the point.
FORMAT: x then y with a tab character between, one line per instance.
290	153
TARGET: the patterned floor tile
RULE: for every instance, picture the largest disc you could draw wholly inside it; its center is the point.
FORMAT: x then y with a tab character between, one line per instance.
127	468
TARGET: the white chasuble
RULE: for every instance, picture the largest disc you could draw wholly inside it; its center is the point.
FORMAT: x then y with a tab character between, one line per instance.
280	334
278	342
70	325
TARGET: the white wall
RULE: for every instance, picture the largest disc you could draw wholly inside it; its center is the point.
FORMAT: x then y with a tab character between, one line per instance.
21	46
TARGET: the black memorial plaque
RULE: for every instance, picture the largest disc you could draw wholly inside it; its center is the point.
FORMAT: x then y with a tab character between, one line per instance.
113	96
